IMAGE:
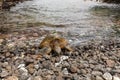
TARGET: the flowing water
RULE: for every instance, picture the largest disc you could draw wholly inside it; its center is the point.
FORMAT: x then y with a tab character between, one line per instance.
79	19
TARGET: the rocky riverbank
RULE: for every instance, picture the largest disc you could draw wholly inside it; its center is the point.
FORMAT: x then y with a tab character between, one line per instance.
7	4
20	59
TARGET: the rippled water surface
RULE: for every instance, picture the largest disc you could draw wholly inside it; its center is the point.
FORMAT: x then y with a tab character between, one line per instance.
83	19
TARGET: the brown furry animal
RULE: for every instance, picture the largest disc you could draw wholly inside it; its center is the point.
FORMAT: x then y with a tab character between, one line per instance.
54	43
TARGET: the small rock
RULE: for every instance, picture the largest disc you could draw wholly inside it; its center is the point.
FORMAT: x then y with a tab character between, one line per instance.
22	37
47	64
110	63
57	64
35	35
63	58
28	60
116	78
5	64
107	76
21	44
96	73
73	69
7	54
116	71
0	69
12	78
59	77
31	78
93	77
65	64
21	65
31	68
36	66
23	77
37	78
65	71
10	45
76	77
8	68
99	78
83	71
23	71
4	73
48	77
1	40
92	66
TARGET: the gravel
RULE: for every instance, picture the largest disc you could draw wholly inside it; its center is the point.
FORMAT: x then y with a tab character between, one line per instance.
20	60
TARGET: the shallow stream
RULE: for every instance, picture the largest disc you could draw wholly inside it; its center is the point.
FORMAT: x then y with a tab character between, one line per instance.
80	20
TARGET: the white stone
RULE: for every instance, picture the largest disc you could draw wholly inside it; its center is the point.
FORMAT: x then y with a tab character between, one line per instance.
57	64
107	76
23	71
99	78
116	78
36	66
65	71
21	65
37	78
64	58
96	73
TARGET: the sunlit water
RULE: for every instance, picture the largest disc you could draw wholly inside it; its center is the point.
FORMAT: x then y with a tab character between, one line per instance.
81	19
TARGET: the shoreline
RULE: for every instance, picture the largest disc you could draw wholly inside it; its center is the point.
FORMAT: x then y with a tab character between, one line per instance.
20	59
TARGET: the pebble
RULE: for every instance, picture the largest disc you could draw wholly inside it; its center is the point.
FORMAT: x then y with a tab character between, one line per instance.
48	77
99	78
7	54
82	64
65	64
23	71
12	78
59	77
21	44
36	66
23	77
96	73
11	45
37	78
30	68
21	65
5	64
73	69
107	76
65	71
35	35
4	73
1	40
110	63
116	78
8	68
63	58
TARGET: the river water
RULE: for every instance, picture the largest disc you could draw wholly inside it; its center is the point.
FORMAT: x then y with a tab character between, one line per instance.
79	19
